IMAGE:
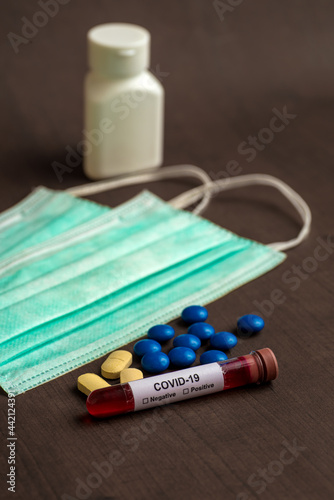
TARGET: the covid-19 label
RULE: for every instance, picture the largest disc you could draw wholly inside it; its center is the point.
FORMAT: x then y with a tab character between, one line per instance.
176	386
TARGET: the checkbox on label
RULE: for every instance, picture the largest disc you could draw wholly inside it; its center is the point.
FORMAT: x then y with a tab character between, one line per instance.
145	401
185	391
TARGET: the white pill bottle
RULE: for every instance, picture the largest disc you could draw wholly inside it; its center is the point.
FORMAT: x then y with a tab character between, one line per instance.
124	103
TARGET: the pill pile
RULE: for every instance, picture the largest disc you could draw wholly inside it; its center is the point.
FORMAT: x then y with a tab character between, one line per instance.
182	355
116	366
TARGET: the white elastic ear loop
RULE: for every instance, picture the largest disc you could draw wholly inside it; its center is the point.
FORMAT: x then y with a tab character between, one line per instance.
144	176
191	196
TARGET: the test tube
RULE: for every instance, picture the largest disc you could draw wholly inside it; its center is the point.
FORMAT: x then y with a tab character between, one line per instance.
256	367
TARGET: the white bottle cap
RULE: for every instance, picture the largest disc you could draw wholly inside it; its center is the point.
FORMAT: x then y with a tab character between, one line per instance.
118	49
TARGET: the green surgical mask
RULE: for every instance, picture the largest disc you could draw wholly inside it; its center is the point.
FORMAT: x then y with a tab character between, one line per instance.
78	280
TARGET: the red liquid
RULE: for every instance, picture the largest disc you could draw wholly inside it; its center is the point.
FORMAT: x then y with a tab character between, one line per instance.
240	371
249	369
111	401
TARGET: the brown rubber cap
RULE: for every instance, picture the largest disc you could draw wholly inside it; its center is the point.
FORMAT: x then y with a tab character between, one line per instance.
269	363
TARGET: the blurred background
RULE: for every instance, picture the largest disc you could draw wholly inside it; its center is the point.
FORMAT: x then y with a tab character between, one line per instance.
224	68
227	67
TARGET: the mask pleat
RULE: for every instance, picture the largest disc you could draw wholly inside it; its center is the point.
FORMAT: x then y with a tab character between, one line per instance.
131	295
84	289
108	305
116	239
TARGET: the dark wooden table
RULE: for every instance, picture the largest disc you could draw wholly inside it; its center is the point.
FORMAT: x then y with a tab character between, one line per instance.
225	70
